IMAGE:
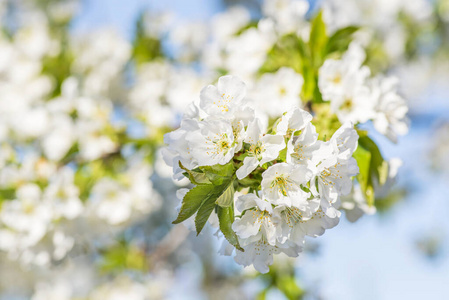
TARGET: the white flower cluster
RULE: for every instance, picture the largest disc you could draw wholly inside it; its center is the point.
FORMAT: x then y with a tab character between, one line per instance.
162	92
46	217
299	178
55	195
100	60
390	30
354	95
81	280
357	98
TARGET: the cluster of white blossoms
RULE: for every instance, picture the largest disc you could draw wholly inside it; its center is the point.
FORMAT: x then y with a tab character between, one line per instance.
56	192
162	92
391	29
289	182
355	97
44	215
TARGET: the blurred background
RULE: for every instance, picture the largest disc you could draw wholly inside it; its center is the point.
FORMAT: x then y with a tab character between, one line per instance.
88	88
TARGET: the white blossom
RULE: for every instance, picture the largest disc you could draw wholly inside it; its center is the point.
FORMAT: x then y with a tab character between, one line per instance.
262	149
223	99
256	222
391	109
337	76
213	143
276	93
281	184
63	196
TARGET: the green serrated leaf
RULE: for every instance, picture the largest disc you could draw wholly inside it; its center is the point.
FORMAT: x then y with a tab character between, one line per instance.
209	204
194	199
197	178
227	198
201	199
226	218
203	214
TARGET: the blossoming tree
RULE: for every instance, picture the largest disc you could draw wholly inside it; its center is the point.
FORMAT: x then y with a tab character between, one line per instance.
260	127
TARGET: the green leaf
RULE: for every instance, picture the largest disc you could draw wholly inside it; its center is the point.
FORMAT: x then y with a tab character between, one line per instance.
223	195
340	40
318	39
251	24
227	198
249	181
325	121
145	48
302	49
226	218
363	158
361	133
288	286
317	97
372	167
203	214
287	52
194	199
123	256
385	204
317	44
217	174
241	157
202	198
378	166
283	154
309	86
197	178
7	194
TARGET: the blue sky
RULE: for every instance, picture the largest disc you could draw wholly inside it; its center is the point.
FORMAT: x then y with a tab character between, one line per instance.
121	14
374	258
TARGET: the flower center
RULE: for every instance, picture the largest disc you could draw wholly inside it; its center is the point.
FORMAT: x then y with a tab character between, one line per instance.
222	145
282	91
347	105
292	215
28	208
326	175
223	102
298	152
61	194
256	149
282	184
337	79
